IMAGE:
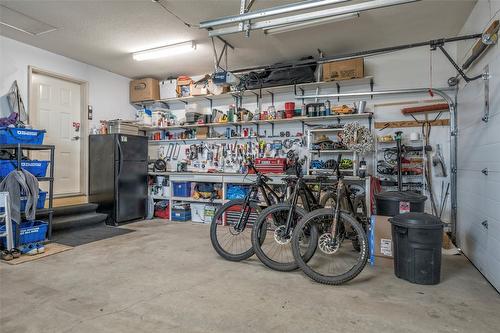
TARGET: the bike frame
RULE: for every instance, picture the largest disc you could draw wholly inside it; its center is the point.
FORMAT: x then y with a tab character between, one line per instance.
253	195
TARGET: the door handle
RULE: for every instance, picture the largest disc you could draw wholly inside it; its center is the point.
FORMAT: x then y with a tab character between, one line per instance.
75	138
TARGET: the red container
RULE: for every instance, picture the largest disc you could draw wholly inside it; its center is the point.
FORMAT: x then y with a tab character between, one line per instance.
289	113
162	213
290	106
270	165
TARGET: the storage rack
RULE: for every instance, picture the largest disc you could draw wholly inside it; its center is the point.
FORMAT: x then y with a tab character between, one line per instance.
231	178
50	179
234	178
258	93
407	179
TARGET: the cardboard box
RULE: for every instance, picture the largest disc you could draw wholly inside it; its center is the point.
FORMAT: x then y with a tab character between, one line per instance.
198	89
144	90
168	89
202	132
383	246
343	70
217	90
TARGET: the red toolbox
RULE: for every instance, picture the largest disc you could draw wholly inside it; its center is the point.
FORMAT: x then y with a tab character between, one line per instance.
233	214
270	165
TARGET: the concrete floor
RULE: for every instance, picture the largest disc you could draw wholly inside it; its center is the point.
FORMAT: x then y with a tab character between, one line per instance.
165	277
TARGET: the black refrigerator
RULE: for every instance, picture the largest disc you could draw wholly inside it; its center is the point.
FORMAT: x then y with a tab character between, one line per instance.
118	169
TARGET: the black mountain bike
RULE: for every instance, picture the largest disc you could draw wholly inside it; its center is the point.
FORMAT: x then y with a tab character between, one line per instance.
332	262
272	233
230	231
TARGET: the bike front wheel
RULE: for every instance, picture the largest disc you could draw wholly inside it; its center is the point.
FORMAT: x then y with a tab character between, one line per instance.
231	228
333	262
272	244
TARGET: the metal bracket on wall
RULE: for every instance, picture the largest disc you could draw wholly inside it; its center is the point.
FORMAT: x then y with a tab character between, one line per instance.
485	171
486	79
485	224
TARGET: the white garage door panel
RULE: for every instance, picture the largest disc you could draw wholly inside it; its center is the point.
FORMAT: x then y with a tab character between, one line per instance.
483	134
494	275
479	194
471	182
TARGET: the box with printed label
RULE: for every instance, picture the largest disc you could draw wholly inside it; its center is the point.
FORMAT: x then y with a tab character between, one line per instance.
383	246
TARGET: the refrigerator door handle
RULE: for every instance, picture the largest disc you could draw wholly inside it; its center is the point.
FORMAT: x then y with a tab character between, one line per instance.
120	156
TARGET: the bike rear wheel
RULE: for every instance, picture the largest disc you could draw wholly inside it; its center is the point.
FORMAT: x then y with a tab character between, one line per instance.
229	242
333	262
271	243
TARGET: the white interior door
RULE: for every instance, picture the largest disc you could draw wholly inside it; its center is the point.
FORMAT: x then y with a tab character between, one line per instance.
57	104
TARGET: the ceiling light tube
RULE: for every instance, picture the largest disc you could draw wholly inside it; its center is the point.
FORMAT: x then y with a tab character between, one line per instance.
261	13
267	24
309	24
164	51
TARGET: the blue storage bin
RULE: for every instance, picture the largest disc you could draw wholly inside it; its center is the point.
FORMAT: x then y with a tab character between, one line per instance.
31	232
236	191
40	204
15	135
182	189
181	215
37	168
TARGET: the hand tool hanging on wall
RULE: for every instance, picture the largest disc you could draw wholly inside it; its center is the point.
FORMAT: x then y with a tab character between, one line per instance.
177	150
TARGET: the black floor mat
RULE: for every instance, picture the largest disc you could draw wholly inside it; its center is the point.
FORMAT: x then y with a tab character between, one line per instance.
87	234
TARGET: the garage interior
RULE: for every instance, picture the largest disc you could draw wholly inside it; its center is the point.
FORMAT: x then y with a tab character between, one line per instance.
320	165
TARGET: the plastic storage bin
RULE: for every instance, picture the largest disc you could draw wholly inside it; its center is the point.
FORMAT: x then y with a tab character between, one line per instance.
181	189
31	232
39	204
392	203
417	239
181	213
15	135
236	191
37	168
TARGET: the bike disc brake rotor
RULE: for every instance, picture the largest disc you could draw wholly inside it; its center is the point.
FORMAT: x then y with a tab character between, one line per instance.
279	235
327	244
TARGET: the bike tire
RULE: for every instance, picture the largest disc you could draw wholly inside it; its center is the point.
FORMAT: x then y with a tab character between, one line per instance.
313	274
258	244
213	232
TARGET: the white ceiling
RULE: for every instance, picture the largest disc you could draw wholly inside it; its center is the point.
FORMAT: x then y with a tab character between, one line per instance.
104	33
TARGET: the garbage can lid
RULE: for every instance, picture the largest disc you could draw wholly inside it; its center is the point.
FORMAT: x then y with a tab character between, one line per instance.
401	196
417	221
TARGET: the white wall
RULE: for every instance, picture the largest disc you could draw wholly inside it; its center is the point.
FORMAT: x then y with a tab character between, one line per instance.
478	148
108	92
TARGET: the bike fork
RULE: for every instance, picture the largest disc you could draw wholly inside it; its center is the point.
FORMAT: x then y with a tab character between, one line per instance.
292	210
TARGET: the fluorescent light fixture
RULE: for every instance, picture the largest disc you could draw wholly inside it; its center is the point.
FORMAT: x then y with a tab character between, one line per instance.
20	22
309	24
165	51
300	18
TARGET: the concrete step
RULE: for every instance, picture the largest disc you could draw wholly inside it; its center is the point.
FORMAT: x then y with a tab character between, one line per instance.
77	220
75	209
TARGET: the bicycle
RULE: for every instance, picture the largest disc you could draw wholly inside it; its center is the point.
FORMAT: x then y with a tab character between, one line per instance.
229	232
272	232
332	263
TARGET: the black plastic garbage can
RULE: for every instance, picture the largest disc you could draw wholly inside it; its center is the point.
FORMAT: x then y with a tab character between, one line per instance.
417	239
392	203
